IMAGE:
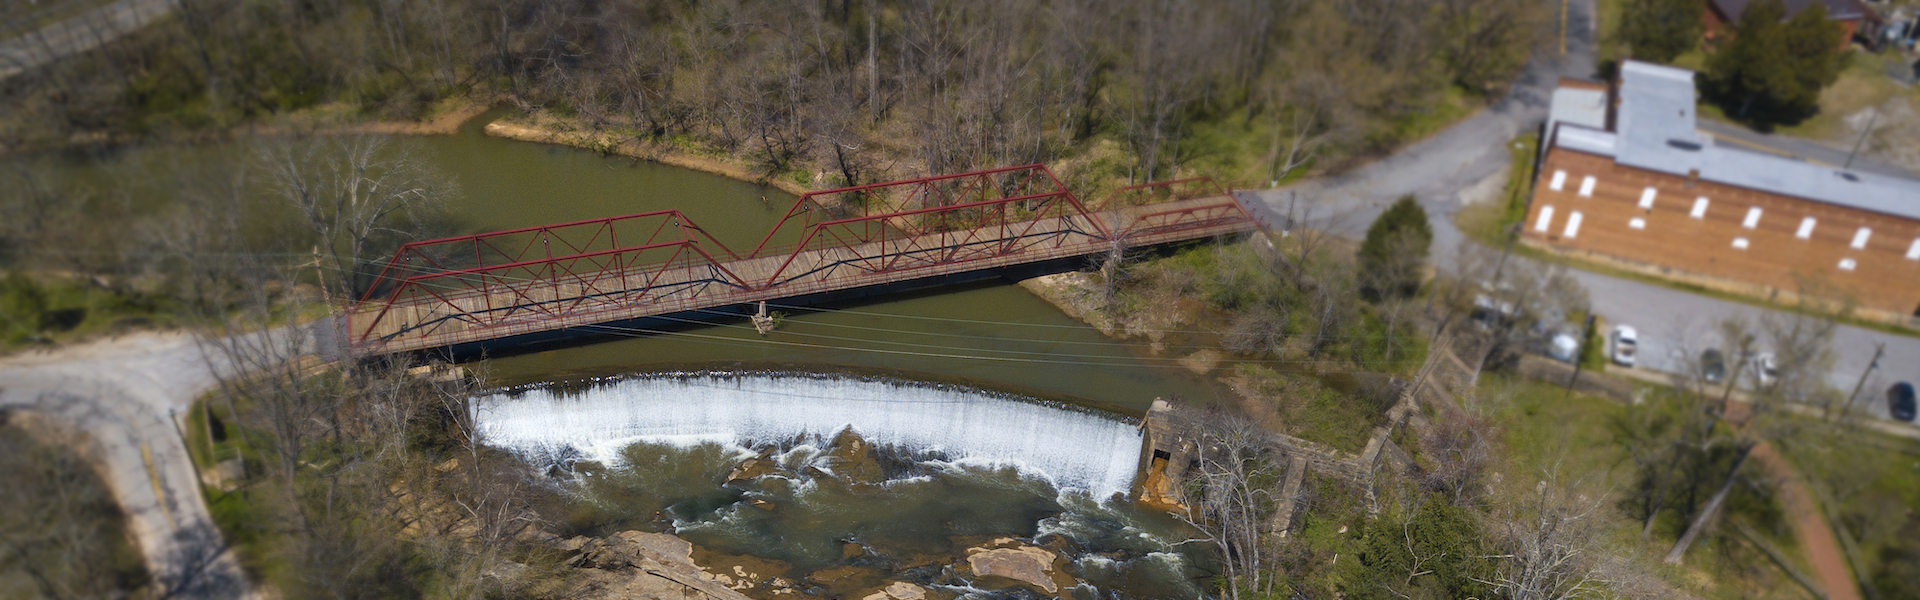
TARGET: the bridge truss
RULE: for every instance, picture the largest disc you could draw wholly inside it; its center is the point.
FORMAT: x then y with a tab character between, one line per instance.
495	285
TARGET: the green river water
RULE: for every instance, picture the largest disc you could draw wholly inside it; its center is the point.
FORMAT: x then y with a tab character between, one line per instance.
992	337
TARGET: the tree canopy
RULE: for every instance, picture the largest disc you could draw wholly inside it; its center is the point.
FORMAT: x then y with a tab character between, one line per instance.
1396	249
1659	30
1773	69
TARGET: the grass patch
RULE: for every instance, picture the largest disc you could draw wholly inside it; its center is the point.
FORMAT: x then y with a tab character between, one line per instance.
41	310
1450	106
1549	434
1863	83
1546	430
1869	485
1490	222
1310	409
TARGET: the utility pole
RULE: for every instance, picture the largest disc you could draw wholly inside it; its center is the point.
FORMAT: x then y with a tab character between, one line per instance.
1579	354
1875	118
1880	349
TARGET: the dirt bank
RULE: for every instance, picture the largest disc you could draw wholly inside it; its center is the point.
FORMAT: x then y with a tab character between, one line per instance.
560	133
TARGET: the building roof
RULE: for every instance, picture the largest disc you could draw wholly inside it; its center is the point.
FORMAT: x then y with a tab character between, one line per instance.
1654	130
1837	10
1579	102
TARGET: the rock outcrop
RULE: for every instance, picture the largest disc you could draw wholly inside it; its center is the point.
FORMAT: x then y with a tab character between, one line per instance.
899	590
633	564
1029	565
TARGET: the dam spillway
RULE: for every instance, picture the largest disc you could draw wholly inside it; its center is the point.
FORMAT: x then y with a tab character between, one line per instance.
1071	449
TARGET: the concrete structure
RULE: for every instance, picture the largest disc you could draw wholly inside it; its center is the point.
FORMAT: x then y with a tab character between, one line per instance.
1647	189
1722	15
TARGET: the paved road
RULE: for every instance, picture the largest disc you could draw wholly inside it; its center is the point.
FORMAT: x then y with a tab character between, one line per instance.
78	34
122	392
1441	169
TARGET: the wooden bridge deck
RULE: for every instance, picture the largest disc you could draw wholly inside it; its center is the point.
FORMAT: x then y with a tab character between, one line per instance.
485	313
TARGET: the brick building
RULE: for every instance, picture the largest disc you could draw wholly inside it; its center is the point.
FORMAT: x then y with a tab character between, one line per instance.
1625	176
1722	15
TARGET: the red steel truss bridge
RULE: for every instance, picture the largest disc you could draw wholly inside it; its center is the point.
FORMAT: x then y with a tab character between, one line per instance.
491	286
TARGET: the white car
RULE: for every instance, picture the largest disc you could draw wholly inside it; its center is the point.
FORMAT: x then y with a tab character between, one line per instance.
1766	369
1626	343
1564	348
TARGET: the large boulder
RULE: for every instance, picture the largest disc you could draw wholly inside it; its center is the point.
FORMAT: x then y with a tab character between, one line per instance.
854	459
1029	565
900	590
632	549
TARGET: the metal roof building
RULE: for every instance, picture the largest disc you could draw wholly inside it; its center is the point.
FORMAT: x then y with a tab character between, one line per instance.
1653	191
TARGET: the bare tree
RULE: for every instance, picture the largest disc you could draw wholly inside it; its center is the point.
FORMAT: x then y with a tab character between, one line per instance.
1231	495
1553	541
1459	448
354	194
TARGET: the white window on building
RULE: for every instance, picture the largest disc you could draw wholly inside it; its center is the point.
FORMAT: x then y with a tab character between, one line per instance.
1806	229
1546	220
1573	225
1646	197
1699	208
1559	181
1739	243
1753	218
1913	252
1847	264
1860	238
1639	223
1586	186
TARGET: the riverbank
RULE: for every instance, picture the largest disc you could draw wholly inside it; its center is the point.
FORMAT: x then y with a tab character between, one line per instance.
553	131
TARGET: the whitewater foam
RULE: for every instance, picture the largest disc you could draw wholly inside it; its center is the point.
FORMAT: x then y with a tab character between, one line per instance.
1068	448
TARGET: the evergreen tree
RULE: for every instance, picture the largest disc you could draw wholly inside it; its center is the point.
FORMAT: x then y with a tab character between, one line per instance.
1395	250
1440	551
1659	30
1774	68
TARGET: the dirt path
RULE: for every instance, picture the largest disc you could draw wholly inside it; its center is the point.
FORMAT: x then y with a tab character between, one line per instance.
1816	537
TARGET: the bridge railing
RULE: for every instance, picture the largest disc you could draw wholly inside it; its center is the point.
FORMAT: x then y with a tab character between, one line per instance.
518	246
1135	215
504	295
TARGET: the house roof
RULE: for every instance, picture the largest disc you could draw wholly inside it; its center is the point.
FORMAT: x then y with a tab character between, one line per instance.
1654	130
1837	10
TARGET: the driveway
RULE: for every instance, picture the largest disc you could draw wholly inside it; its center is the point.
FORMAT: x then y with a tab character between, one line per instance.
1439	169
123	393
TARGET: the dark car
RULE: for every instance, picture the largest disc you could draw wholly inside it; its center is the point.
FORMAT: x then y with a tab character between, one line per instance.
1900	401
1713	366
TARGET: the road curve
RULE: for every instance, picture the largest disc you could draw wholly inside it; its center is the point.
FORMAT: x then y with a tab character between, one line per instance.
123	392
77	34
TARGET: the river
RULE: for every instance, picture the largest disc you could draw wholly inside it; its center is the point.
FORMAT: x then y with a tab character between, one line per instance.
984	343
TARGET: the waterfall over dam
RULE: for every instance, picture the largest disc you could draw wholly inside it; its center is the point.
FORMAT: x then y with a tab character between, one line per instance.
1072	449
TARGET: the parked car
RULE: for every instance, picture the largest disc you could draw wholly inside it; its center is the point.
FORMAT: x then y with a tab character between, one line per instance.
1564	347
1766	369
1900	403
1713	366
1626	343
1490	312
